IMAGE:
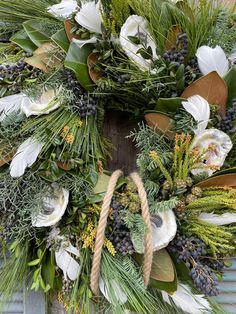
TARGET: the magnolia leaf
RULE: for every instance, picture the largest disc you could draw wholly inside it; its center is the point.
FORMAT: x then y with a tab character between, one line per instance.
230	79
34	31
48	270
22	40
102	183
93	73
225	171
172	37
169	105
211	87
36	62
76	60
68	29
221	180
6	159
64	166
160	122
60	38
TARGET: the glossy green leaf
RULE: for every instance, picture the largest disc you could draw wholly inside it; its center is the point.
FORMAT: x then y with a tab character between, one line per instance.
22	40
34	262
163	275
230	79
225	171
102	183
61	39
76	60
35	32
48	270
169	105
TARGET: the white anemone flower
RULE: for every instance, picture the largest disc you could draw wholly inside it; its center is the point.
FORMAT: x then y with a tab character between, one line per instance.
65	261
137	26
212	59
47	102
199	108
187	301
81	42
89	17
63	9
120	296
53	208
217	145
164	229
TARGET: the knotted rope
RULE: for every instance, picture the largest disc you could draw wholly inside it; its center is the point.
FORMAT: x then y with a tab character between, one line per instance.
100	235
95	273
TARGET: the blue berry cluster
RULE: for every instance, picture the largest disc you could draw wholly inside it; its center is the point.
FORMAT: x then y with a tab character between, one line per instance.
12	75
120	235
178	53
227	122
203	269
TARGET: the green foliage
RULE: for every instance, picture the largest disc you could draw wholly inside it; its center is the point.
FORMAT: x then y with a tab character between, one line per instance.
217	238
119	12
224	32
13	271
156	207
130	281
137	228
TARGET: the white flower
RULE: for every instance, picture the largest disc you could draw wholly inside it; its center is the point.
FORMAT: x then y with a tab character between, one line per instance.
120	296
212	59
81	42
10	104
25	156
63	9
90	17
54	207
47	102
187	301
219	220
65	261
199	108
217	145
136	26
164	229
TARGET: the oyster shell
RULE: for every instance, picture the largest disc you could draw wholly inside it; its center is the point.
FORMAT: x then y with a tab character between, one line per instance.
54	207
220	144
164	228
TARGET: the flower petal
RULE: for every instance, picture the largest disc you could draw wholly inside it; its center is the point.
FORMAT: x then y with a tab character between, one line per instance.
137	25
63	9
81	42
187	301
57	205
10	104
212	59
67	264
25	156
219	220
199	108
90	17
46	103
121	297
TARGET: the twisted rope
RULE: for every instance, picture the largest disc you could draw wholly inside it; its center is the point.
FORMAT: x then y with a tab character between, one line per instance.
95	273
148	250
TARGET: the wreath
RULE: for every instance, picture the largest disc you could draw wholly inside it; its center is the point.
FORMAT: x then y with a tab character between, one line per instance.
159	239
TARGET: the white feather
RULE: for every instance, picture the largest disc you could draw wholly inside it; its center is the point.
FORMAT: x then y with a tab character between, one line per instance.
199	108
81	42
212	59
63	9
25	156
67	263
219	220
10	104
121	297
188	302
